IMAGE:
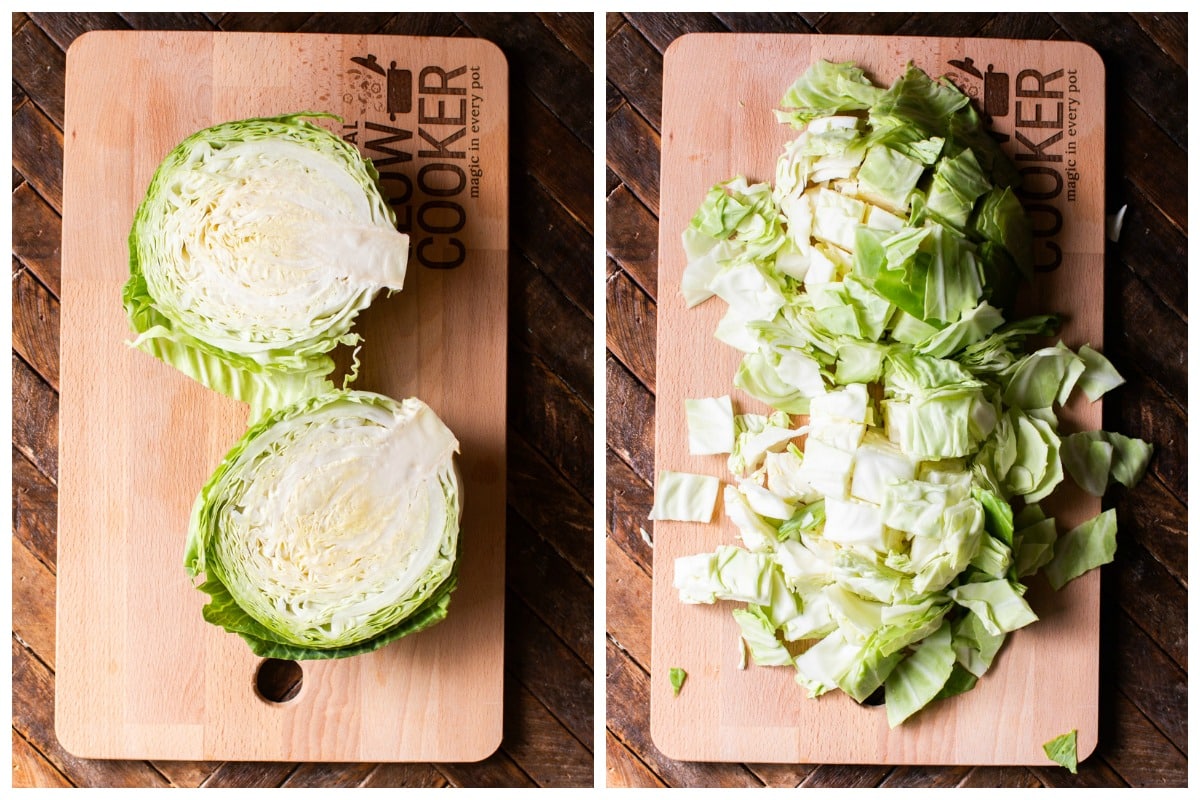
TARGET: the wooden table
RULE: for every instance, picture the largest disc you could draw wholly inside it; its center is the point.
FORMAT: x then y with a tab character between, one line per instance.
1143	703
548	722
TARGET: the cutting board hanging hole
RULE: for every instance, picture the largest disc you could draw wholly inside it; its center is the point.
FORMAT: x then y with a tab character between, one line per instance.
277	680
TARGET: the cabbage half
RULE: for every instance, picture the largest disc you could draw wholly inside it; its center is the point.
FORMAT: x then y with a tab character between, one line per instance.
331	527
257	244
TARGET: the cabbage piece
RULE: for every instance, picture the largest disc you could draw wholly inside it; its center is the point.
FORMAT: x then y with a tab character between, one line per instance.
1099	376
827	88
1000	608
759	634
331	528
710	425
728	573
919	678
1097	458
685	497
1064	751
1082	548
256	245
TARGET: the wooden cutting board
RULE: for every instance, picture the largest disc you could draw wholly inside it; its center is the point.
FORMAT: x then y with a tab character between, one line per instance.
139	673
718	96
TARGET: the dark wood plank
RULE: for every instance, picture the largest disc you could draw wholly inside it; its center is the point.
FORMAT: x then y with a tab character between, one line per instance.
575	31
64	27
631	426
1157	520
186	774
630	498
423	24
631	335
627	599
1152	248
37	153
1139	752
925	777
630	724
1169	31
540	745
1143	330
662	29
623	769
404	776
1135	144
1093	773
847	776
1153	599
33	593
35	509
540	61
635	67
270	22
553	155
338	22
559	596
39	66
548	668
35	419
781	775
37	237
249	774
763	22
563	337
328	776
1155	684
496	771
1000	778
636	162
633	238
35	326
542	402
31	769
33	719
560	512
1135	66
1019	26
962	24
169	21
1142	409
861	24
553	240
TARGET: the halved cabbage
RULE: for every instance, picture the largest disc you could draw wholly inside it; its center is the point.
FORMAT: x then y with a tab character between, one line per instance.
256	245
331	528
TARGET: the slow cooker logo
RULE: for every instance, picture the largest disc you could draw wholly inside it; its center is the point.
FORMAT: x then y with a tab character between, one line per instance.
420	126
1043	109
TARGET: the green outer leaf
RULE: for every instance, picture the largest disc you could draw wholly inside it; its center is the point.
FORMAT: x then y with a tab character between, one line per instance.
918	679
1082	548
1063	750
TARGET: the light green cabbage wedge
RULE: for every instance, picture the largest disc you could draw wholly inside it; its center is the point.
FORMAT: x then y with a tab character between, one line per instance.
331	528
256	245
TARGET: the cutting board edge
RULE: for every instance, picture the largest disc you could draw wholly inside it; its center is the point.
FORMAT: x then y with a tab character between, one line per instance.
668	238
70	729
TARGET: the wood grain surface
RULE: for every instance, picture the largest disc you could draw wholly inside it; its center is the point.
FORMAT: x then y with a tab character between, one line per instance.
137	438
547	662
1142	641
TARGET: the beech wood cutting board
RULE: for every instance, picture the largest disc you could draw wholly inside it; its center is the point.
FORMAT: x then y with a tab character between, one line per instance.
139	673
718	95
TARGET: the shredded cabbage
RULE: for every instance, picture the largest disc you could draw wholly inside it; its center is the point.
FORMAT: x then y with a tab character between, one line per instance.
870	289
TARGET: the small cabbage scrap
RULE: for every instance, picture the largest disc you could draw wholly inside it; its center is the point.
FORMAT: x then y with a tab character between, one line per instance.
331	528
256	245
